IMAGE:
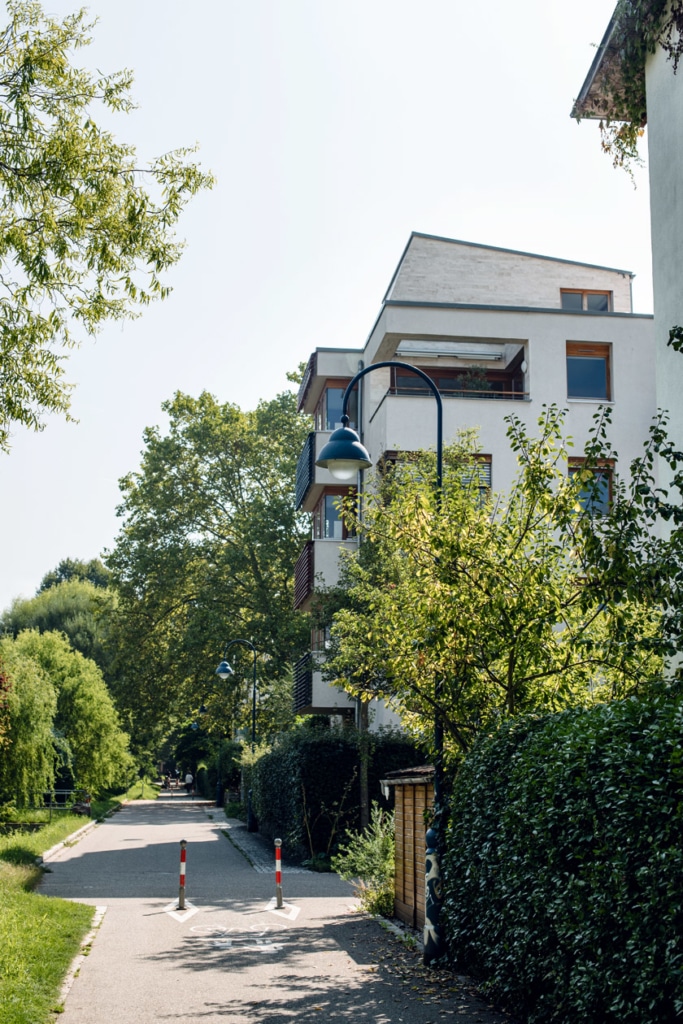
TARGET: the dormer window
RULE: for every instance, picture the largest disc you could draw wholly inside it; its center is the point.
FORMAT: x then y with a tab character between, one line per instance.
575	300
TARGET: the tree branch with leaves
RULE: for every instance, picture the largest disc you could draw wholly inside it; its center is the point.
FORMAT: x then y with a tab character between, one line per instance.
86	235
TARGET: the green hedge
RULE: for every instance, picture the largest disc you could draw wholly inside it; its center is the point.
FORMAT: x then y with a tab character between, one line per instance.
563	875
312	778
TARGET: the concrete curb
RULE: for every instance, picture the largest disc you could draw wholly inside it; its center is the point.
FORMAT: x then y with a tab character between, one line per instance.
67	841
75	964
256	849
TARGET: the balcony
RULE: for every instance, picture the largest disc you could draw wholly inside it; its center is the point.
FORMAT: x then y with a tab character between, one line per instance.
319	558
305	471
311	480
304	575
303	685
312	695
489	394
309	374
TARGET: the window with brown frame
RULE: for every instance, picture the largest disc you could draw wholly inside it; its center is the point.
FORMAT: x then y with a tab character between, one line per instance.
595	494
328	411
327	518
320	639
586	300
589	370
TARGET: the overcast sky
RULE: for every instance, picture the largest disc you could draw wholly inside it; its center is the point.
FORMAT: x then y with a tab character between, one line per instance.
334	130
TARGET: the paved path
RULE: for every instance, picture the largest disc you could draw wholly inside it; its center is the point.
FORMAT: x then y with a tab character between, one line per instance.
231	957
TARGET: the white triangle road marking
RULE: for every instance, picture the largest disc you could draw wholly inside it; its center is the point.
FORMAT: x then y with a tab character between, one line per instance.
286	910
181	915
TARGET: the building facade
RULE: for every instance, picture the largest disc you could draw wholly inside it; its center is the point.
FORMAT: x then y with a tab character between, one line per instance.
499	332
653	71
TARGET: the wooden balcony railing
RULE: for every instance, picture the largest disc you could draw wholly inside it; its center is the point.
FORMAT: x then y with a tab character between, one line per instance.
304	575
305	470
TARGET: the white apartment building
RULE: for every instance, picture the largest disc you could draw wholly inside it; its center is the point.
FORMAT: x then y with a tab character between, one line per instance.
499	332
661	84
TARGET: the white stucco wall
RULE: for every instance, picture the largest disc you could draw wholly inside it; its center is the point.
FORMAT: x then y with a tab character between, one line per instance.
665	152
409	422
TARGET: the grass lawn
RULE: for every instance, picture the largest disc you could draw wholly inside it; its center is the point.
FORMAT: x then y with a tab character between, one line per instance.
40	935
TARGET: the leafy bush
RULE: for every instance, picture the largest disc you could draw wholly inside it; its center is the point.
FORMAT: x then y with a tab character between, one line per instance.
305	790
367	858
564	860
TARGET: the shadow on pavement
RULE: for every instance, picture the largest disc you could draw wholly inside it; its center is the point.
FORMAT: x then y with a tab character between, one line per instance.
345	969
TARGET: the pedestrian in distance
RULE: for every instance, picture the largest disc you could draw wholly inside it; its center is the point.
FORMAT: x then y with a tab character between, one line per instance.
188	782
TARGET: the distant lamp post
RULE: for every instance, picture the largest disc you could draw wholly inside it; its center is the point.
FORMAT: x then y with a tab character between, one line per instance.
344	456
225	671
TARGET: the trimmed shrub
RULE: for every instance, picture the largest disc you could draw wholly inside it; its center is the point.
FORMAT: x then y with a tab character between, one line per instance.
306	789
564	865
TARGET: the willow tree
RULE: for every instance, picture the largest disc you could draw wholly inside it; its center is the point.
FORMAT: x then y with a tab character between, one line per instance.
86	232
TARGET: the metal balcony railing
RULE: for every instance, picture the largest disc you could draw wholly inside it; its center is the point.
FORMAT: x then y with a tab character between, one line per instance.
488	394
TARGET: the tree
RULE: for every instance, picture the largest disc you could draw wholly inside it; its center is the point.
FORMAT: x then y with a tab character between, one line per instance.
83	240
94	572
480	607
27	764
84	715
205	555
75	607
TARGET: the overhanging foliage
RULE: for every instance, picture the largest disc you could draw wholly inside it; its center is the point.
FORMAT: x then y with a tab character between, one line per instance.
82	240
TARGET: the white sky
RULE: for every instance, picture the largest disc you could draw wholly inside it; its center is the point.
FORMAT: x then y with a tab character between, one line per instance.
334	129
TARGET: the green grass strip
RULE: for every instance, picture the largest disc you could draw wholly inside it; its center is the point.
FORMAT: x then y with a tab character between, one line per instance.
39	935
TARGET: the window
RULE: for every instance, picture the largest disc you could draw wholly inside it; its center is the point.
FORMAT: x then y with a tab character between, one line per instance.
595	493
479	476
320	639
588	301
329	409
327	519
406	465
589	371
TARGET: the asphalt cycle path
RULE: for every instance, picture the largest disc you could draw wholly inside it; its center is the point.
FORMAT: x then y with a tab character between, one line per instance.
231	955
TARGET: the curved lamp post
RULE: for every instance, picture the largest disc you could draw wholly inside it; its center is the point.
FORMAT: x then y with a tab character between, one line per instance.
225	670
344	456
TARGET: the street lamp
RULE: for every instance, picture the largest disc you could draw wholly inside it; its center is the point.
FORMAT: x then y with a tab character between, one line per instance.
344	456
225	670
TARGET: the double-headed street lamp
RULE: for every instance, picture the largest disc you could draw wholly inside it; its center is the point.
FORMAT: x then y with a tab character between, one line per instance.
225	670
344	456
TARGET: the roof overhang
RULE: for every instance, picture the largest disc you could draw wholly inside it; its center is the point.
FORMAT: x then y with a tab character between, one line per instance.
602	89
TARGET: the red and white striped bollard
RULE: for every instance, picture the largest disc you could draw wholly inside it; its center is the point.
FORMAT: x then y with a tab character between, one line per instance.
181	897
278	872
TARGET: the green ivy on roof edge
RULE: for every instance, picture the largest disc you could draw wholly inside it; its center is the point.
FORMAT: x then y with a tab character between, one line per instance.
640	28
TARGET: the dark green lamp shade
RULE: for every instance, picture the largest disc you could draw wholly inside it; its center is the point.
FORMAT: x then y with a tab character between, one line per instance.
224	670
344	455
